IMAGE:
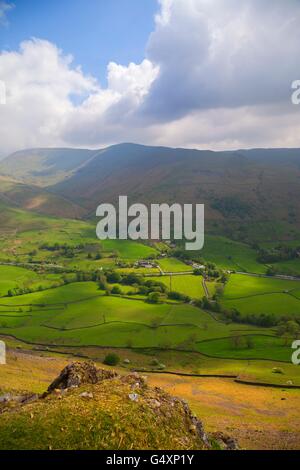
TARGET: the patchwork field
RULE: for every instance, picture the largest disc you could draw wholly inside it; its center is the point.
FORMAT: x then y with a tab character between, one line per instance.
80	315
66	312
256	295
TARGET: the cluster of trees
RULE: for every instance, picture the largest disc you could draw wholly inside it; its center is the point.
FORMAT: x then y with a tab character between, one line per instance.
289	329
70	251
277	254
232	207
155	291
211	271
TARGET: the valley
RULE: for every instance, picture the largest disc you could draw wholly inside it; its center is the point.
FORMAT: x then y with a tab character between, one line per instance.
225	316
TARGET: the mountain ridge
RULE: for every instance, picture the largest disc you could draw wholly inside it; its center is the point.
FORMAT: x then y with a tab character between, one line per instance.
239	188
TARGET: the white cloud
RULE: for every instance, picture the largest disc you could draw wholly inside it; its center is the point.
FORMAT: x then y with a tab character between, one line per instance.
216	74
41	84
223	53
5	7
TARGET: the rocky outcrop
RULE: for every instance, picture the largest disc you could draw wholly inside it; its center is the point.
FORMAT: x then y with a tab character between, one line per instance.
80	373
82	386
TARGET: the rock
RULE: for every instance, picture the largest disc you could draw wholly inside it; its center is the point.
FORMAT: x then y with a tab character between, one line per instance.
135	380
23	399
6	398
26	400
195	423
225	442
80	373
193	429
277	370
87	395
155	404
290	383
126	361
133	397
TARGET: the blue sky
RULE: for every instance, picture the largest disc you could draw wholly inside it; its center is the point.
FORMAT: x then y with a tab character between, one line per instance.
207	74
95	32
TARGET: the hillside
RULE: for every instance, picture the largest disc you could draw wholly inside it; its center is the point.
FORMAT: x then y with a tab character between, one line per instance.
238	188
44	167
32	198
91	409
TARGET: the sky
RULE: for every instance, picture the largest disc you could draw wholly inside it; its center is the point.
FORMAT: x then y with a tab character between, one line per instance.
207	74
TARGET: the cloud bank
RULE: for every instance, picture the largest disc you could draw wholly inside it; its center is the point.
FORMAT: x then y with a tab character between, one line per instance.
216	74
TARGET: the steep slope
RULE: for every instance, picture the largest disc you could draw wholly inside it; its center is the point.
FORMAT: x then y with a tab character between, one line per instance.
32	198
244	191
43	167
238	188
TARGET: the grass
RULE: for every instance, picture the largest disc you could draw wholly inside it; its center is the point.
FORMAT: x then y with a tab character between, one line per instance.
172	265
109	420
254	295
232	255
128	250
80	315
240	286
259	418
188	285
219	403
264	347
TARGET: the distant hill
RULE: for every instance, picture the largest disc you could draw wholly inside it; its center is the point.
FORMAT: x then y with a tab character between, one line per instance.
44	167
244	191
19	195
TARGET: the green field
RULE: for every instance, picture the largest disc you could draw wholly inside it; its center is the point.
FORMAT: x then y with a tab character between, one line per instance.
231	255
188	285
263	348
255	295
172	265
81	315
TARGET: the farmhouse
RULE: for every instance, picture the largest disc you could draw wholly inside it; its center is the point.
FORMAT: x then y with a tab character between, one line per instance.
145	264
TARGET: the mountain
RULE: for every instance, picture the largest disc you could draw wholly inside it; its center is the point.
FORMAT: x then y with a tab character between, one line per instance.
19	195
244	190
44	167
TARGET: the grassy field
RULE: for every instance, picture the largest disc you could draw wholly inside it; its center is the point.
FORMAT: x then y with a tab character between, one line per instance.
12	277
258	417
228	254
262	347
172	265
80	315
255	295
188	285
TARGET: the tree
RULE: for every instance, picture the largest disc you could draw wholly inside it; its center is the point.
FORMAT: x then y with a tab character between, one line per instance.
154	297
113	277
116	290
111	359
